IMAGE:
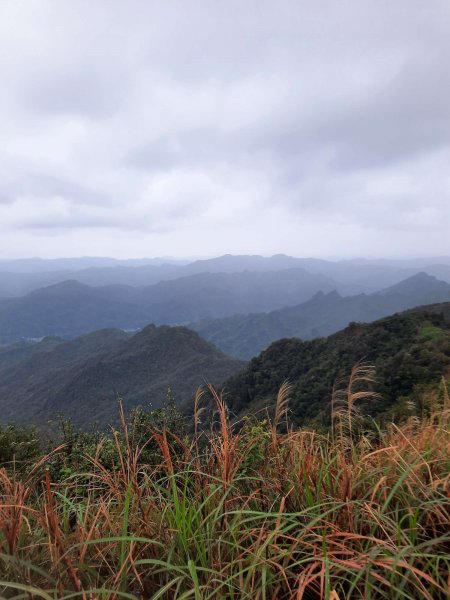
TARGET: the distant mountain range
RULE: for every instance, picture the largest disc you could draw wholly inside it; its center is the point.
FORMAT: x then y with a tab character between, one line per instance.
71	308
240	312
244	336
83	378
409	351
45	265
20	277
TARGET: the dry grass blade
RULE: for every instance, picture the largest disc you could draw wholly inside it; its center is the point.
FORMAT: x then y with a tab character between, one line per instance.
281	409
345	399
197	411
248	513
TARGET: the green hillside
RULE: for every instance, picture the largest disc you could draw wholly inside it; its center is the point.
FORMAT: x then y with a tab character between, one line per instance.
407	349
244	336
84	377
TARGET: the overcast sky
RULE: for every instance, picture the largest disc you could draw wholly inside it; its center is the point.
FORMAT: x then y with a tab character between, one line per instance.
189	128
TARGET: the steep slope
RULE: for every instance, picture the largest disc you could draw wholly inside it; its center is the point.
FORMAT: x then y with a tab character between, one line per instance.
245	336
71	308
407	349
84	377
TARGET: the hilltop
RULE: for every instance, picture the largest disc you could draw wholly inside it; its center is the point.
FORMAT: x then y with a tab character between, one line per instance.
409	349
83	378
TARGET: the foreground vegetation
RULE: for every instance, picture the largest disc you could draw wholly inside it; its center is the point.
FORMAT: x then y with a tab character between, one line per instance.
255	512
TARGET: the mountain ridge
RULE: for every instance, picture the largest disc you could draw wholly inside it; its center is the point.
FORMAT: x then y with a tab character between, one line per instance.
244	336
362	274
84	377
72	308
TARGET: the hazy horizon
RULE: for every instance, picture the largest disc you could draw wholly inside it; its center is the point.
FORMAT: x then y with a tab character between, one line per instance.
417	257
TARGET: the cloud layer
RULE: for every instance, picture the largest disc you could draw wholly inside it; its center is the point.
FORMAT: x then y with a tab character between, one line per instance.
196	128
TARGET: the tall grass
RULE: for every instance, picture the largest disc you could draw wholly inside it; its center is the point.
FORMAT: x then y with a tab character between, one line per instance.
239	514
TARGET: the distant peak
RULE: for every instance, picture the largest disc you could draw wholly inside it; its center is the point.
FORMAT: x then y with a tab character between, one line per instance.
420	282
69	283
418	278
66	286
422	276
148	329
334	294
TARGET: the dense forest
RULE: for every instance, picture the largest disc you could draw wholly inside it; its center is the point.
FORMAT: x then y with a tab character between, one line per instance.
408	350
85	377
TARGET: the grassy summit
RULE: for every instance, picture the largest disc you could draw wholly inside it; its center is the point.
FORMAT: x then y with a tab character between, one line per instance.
146	513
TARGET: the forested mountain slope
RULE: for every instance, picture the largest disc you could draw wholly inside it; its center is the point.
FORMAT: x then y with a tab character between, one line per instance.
408	349
245	336
83	378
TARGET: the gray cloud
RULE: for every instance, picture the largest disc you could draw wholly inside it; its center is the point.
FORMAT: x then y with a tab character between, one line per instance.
201	128
80	91
42	185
